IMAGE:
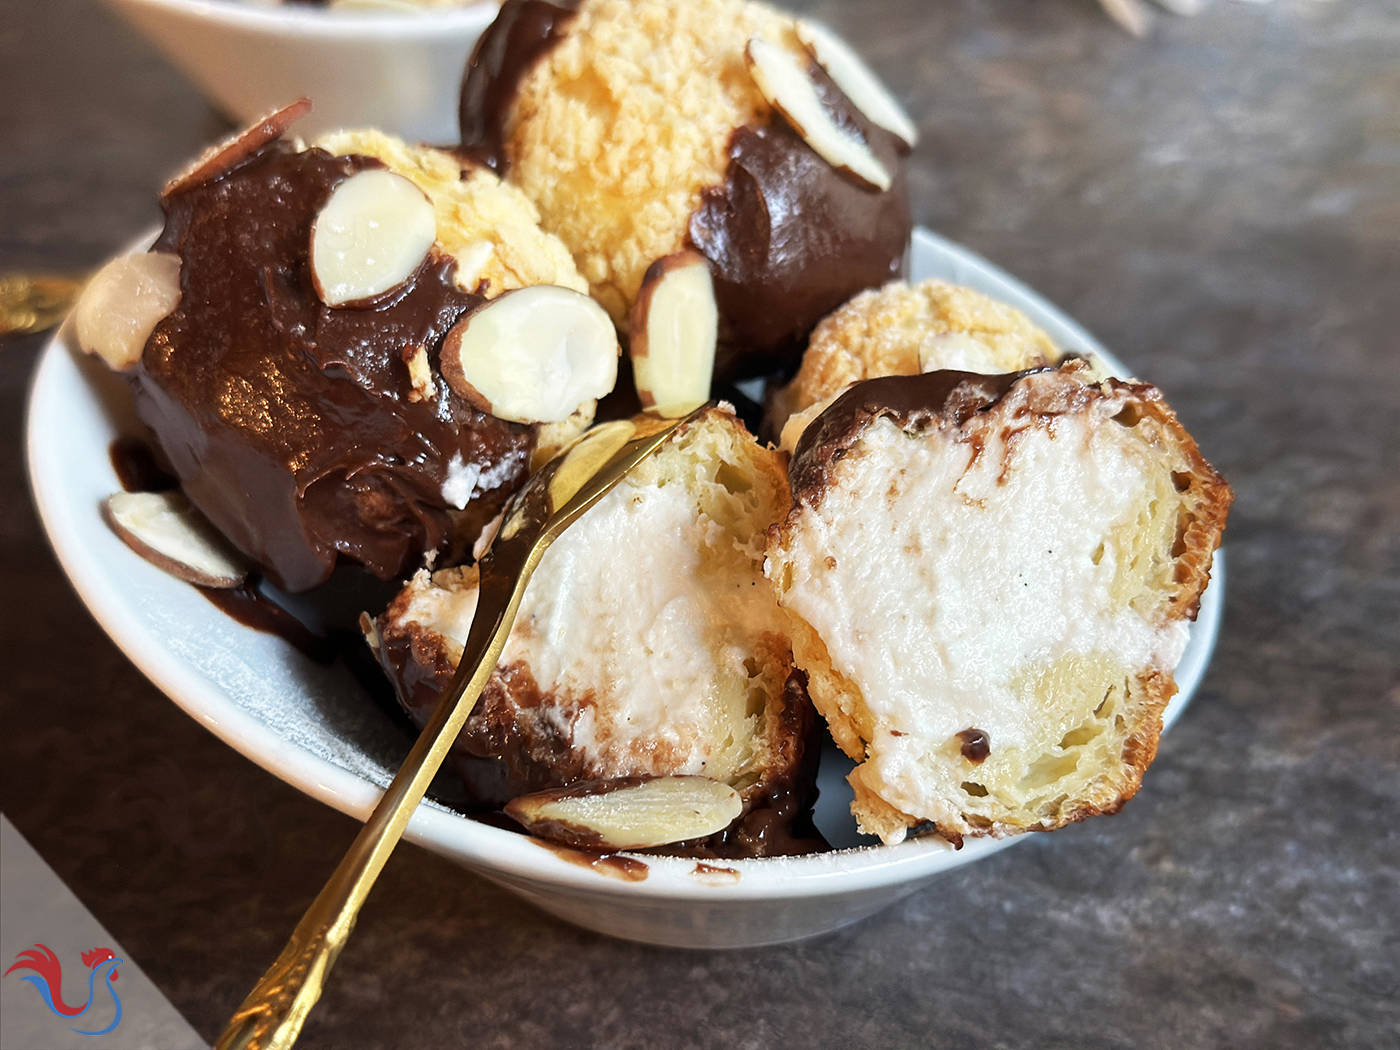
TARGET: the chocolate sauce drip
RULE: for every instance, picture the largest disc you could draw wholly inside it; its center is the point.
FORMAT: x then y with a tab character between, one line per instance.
976	745
522	33
614	865
137	468
777	820
249	607
789	238
290	424
914	402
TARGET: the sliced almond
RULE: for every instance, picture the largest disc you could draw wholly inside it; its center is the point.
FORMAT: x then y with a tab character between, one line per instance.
123	303
675	325
789	89
169	533
630	813
856	80
371	237
533	355
222	156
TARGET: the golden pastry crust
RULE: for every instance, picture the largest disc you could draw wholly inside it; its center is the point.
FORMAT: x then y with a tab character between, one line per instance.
617	182
488	226
883	332
1093	714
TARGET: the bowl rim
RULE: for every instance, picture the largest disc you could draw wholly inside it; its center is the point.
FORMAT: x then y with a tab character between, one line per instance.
311	21
495	852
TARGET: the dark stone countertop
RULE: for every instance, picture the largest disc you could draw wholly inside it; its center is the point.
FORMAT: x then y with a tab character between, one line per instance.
1220	204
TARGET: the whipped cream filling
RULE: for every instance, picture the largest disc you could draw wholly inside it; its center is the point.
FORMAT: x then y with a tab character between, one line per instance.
646	625
645	613
951	579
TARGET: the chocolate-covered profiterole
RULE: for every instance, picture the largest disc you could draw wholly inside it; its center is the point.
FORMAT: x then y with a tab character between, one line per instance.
788	236
292	425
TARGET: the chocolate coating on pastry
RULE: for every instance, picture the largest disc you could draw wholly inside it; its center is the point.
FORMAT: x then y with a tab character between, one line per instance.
789	238
290	424
521	34
503	752
913	401
777	818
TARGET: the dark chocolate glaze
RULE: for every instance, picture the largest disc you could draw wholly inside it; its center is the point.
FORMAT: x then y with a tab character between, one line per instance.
522	33
789	238
137	468
251	608
777	819
512	745
914	402
509	746
613	865
716	872
976	745
290	424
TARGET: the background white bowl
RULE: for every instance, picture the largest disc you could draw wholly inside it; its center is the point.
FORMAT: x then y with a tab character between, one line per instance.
312	726
401	73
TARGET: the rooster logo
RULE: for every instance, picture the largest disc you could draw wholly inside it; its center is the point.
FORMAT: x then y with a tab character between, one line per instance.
47	976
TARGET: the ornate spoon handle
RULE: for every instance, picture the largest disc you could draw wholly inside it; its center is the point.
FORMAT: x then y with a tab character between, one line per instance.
272	1015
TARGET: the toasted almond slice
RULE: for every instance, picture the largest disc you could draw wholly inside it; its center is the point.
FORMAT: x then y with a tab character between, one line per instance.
222	156
629	813
789	89
856	79
169	533
371	237
533	355
675	325
123	303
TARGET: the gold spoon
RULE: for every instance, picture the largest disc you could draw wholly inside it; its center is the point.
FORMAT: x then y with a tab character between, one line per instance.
272	1015
32	302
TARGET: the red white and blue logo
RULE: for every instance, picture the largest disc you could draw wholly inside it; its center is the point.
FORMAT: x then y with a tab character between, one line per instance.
47	977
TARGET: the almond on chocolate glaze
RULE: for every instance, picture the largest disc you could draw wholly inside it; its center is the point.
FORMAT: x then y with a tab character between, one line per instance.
164	529
629	813
222	156
122	304
675	328
370	237
532	355
788	88
855	78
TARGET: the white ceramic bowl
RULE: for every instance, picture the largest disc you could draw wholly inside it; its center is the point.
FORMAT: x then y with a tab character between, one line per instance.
311	726
399	72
